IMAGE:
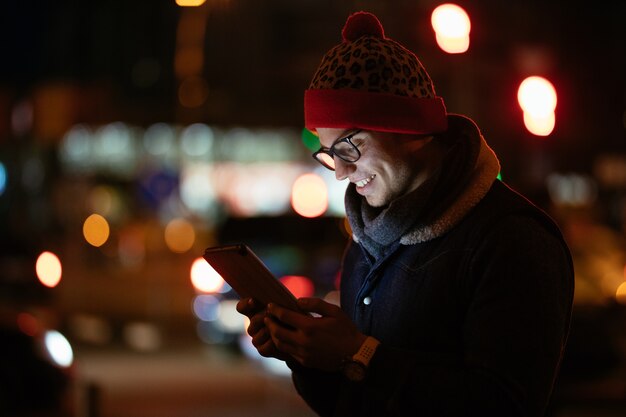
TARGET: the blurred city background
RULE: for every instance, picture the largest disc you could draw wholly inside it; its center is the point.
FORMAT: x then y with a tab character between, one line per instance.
135	134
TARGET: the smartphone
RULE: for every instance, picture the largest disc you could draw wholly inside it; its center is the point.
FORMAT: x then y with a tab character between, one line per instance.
248	275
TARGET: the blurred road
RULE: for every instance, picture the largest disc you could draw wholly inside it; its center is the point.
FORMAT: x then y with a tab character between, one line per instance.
195	380
185	382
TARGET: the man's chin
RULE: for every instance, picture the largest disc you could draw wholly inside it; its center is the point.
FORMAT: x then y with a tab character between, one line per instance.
372	201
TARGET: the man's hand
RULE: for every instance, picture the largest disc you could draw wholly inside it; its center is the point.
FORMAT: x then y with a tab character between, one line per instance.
261	339
317	342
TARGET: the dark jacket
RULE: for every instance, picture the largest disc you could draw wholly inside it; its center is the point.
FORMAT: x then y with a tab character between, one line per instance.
471	323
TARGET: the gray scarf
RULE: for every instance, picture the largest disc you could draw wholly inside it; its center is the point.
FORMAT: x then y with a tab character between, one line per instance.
376	229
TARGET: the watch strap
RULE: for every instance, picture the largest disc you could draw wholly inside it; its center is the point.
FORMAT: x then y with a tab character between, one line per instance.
366	351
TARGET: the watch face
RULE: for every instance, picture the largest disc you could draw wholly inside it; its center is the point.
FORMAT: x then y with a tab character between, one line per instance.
354	371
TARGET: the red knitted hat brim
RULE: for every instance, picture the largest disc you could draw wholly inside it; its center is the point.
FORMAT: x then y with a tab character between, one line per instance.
348	108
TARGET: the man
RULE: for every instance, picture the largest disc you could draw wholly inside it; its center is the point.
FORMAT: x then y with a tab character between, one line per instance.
456	292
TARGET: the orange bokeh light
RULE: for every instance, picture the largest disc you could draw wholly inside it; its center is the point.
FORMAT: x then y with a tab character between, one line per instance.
620	293
96	230
179	235
309	196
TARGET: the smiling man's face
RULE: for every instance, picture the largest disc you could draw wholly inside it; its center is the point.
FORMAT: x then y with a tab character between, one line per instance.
389	167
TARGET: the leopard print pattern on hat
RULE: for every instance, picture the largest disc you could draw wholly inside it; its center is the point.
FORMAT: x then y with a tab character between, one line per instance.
374	65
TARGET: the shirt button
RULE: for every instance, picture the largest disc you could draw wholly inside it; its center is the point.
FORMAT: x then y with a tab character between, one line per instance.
367	301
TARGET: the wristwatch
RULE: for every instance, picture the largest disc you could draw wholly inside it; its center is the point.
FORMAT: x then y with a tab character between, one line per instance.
355	367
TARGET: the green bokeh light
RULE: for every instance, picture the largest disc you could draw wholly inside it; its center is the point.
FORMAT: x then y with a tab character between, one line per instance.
310	140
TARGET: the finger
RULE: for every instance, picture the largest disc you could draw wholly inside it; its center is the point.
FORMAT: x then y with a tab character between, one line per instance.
256	324
287	317
282	338
248	306
319	306
261	337
267	349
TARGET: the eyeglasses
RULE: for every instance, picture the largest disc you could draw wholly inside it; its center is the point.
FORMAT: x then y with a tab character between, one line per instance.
343	149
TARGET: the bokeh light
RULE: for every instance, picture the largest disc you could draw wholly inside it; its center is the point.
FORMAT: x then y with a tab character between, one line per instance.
3	178
28	324
620	294
204	278
196	190
336	192
196	141
179	235
539	125
48	268
190	3
537	98
310	139
298	285
205	307
116	150
142	336
106	201
58	348
96	230
229	319
309	195
452	28
159	139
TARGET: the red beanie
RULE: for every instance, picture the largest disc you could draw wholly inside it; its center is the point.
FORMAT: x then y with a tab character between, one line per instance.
372	82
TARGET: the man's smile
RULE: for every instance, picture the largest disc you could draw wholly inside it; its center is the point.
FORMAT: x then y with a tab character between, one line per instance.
365	181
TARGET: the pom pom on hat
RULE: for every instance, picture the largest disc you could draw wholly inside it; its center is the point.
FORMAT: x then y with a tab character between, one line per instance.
362	24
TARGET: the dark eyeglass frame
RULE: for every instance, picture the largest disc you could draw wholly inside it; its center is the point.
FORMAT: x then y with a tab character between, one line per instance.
331	152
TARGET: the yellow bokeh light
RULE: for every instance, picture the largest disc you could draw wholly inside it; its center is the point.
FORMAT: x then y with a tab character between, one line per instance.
453	45
452	28
190	3
309	196
48	268
179	235
96	230
204	278
537	96
620	294
539	125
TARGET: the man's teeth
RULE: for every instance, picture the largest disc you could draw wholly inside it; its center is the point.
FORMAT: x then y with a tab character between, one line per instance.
364	182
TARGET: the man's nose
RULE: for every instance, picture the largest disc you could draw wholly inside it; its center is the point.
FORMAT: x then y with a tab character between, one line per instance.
343	168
